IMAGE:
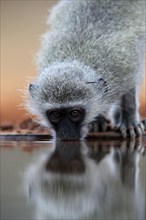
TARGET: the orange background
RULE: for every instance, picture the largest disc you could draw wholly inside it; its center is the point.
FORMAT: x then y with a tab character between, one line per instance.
22	23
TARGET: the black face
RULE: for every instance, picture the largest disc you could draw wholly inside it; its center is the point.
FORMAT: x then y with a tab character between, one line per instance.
66	122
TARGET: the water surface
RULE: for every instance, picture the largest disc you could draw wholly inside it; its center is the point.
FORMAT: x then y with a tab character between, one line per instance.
73	180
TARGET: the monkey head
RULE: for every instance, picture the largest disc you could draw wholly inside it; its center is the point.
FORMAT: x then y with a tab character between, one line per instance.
68	96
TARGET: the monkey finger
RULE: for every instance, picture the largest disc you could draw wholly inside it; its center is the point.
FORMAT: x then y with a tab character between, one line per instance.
141	125
90	126
95	127
132	134
124	131
138	131
144	123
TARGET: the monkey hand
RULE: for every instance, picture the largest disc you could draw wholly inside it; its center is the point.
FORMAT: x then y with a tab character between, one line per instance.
101	124
132	129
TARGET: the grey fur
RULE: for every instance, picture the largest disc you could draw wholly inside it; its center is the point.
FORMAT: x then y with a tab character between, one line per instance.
88	40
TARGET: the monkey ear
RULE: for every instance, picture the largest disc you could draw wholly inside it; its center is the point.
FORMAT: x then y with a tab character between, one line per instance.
102	85
33	89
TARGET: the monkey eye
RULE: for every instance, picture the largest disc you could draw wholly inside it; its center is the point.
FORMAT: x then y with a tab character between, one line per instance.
54	116
76	114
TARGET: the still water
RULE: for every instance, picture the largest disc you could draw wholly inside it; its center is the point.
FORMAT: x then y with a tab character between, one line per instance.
73	180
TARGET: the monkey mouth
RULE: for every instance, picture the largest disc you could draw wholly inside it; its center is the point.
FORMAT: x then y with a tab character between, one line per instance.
68	136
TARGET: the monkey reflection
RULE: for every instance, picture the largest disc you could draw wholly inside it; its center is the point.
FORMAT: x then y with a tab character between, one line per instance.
66	159
76	181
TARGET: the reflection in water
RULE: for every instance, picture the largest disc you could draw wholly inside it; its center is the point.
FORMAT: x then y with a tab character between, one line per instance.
76	181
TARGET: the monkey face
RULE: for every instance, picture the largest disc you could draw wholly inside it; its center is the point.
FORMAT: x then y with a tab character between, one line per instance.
67	122
68	97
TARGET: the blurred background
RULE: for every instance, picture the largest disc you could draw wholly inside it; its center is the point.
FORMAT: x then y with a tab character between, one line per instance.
22	23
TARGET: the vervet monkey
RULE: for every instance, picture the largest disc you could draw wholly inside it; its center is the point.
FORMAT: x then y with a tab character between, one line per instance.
90	63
